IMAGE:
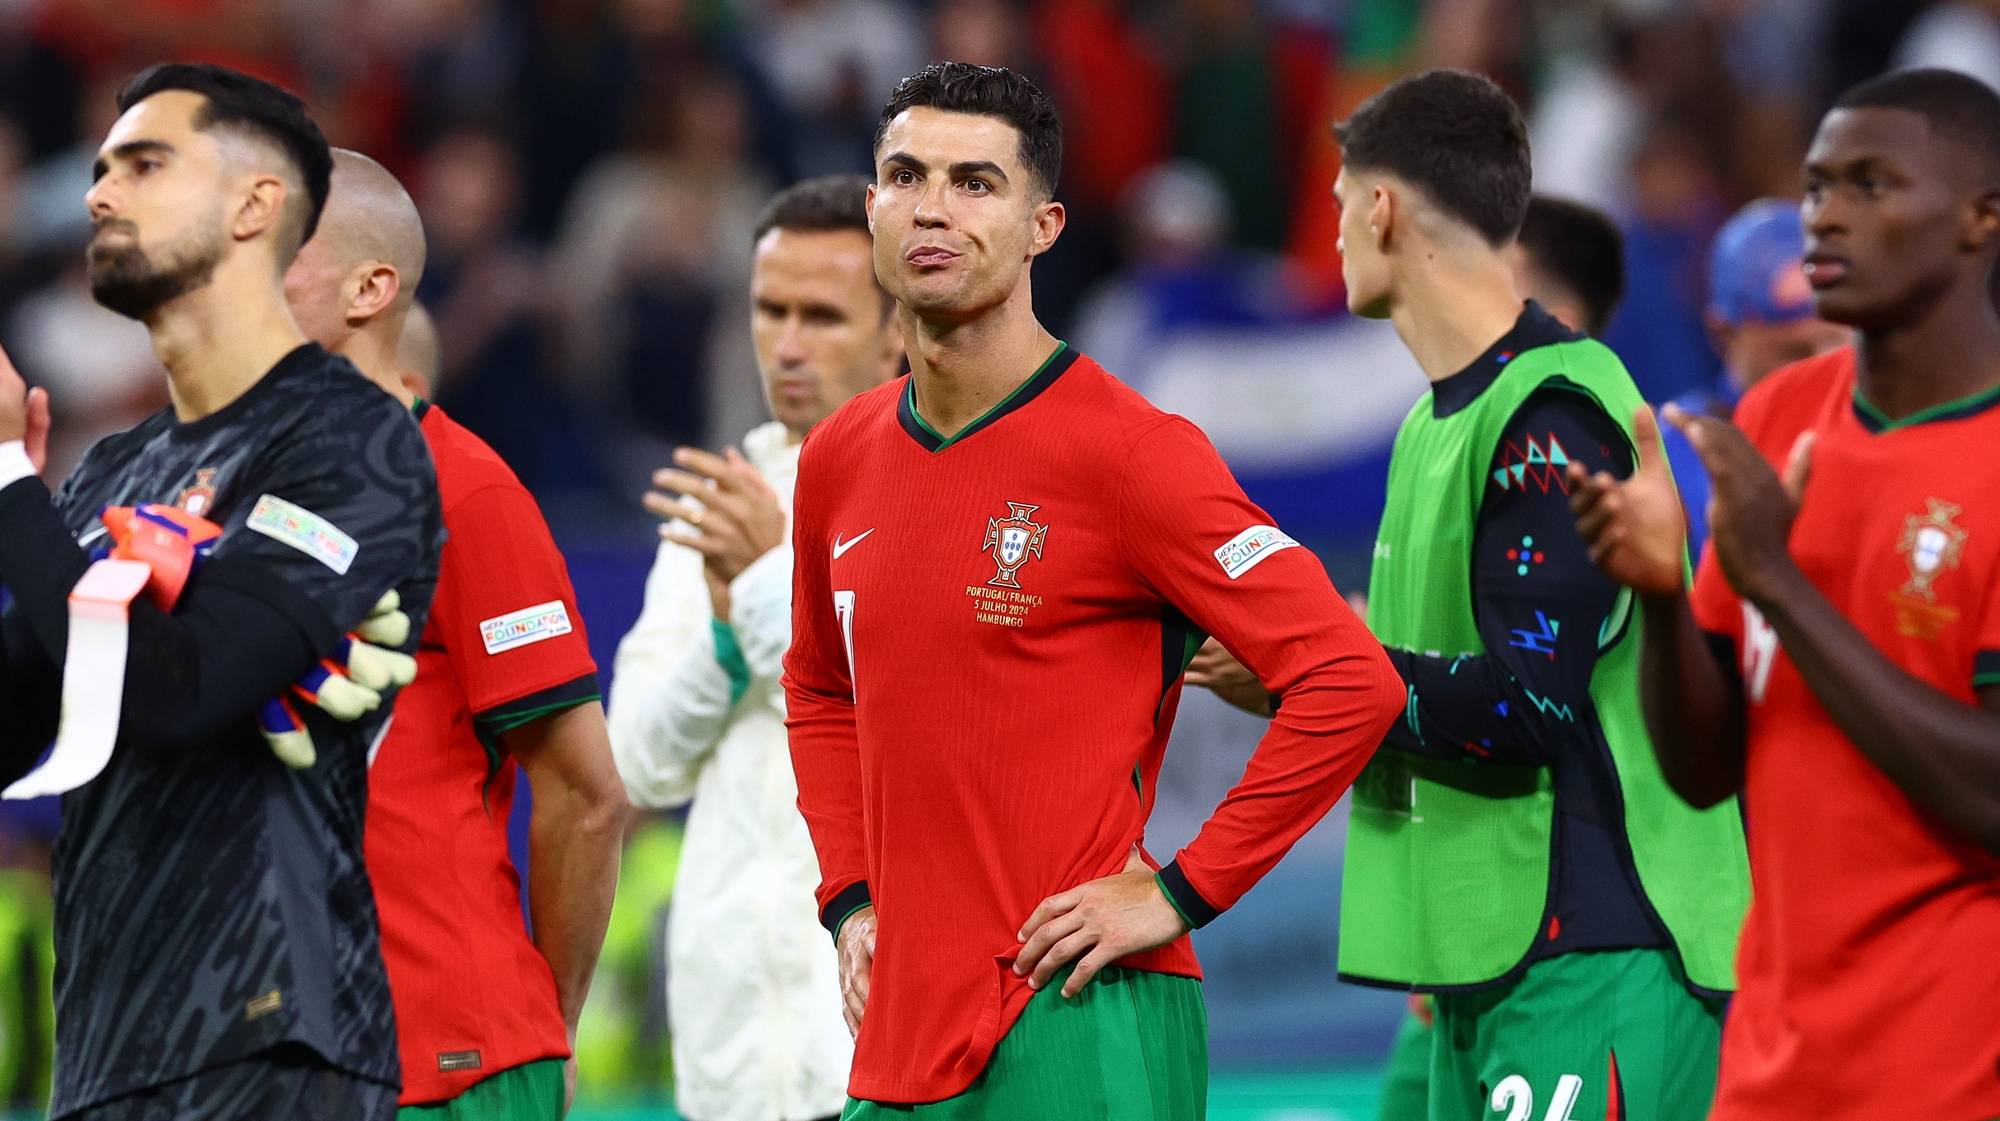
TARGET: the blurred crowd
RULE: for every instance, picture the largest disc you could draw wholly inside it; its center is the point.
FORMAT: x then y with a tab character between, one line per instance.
589	169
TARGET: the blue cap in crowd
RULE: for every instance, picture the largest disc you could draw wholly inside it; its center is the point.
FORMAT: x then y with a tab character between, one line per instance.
1756	269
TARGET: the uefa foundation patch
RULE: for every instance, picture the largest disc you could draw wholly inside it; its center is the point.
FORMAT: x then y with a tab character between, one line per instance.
305	531
1248	549
525	627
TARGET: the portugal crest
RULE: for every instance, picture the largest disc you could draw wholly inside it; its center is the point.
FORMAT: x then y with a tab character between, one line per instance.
198	498
1013	540
1932	543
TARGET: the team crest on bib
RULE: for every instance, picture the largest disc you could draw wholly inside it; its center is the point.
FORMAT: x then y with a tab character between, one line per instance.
199	498
1013	541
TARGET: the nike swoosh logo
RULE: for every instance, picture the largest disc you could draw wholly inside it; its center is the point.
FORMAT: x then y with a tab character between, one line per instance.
840	547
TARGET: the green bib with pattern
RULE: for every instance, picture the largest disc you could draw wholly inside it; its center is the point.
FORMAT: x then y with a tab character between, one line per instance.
1447	870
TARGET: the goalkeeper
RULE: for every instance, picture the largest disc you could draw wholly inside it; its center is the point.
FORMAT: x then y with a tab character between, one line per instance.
217	952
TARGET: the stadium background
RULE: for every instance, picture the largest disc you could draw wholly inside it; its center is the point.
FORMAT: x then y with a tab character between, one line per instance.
589	170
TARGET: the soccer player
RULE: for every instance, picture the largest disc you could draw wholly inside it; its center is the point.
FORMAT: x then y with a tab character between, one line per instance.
1513	848
486	1014
1002	563
419	353
1854	690
697	711
1760	314
218	955
1569	258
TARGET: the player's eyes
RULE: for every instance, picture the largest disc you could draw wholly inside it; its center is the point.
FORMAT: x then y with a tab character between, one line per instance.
902	177
977	186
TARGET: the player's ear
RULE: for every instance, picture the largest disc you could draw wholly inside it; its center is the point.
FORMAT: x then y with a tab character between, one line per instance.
868	205
1984	228
261	207
372	287
1382	214
1050	218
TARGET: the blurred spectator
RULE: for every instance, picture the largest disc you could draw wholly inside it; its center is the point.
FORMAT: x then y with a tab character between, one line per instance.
1861	39
833	63
39	87
1229	115
1761	317
1962	35
595	77
622	1042
986	32
1183	274
98	366
1104	72
650	261
1675	207
482	283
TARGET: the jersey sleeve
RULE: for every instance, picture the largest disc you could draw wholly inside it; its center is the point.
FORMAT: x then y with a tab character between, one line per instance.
1537	599
819	703
1190	534
343	512
671	696
1986	657
507	613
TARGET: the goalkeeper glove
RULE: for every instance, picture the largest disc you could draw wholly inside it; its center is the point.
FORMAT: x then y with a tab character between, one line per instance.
347	686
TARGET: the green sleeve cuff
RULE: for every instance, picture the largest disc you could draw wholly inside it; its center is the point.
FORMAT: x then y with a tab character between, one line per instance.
729	655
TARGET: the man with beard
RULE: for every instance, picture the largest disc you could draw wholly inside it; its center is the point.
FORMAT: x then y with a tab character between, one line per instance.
217	946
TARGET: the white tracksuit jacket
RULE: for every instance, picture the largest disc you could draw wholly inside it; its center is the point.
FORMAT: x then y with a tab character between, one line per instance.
752	986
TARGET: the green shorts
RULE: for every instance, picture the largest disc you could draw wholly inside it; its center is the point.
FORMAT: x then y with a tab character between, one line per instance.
1406	1079
1132	1046
529	1092
1612	1034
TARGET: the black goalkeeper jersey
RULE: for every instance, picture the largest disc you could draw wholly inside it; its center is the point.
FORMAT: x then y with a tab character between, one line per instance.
211	902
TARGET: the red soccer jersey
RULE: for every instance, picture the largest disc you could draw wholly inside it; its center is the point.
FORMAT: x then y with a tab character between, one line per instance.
504	645
1870	961
988	639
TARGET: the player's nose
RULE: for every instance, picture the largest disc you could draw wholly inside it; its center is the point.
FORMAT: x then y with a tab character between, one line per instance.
100	200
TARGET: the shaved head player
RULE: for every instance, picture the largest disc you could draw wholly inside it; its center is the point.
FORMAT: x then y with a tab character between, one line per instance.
506	685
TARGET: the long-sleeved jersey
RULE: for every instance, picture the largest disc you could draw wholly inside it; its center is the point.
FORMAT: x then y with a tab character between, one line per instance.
212	903
988	639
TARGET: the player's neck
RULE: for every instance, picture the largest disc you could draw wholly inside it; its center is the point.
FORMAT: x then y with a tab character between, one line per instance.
961	370
1452	307
374	354
221	339
1951	351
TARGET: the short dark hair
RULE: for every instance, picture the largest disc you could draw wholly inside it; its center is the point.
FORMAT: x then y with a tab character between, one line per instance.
238	101
1454	135
827	203
987	91
1956	105
1580	248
